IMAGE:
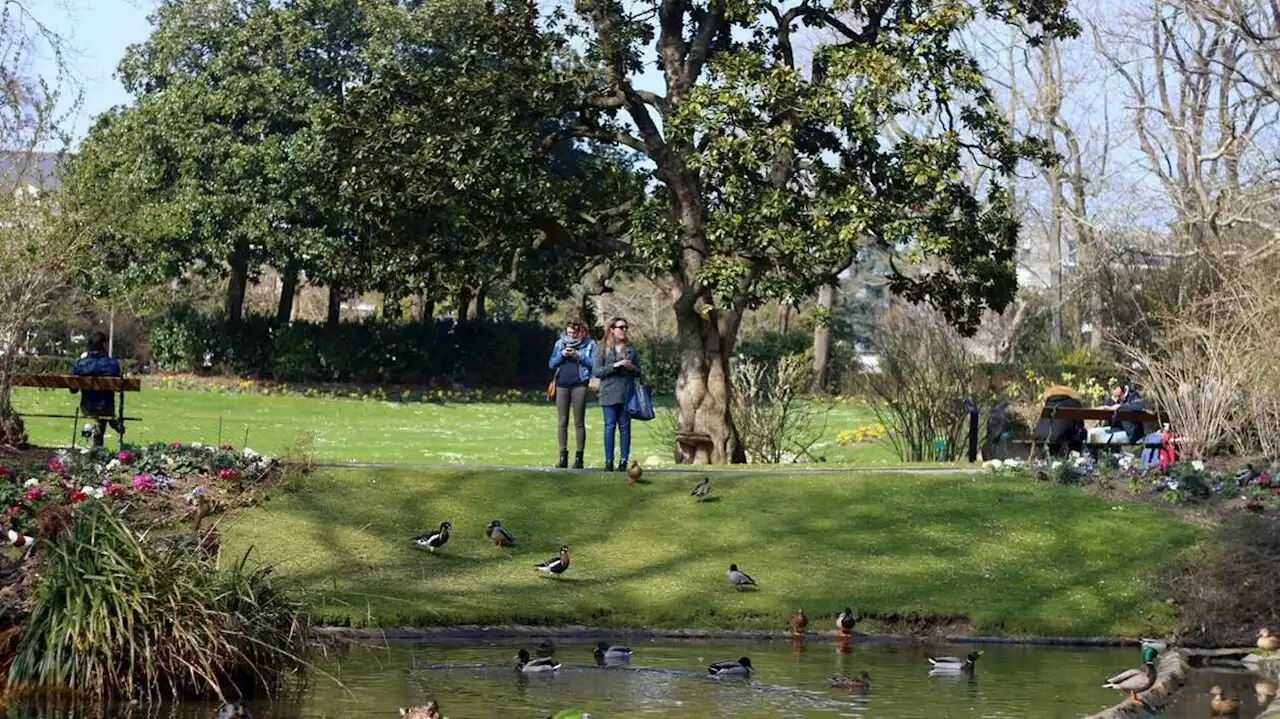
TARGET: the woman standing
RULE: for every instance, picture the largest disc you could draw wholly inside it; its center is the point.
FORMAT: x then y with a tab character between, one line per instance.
572	358
617	366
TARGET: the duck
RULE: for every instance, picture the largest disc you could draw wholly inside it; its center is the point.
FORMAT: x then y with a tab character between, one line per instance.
730	668
949	665
434	540
499	535
556	565
739	579
1266	642
702	490
535	666
570	714
861	681
846	621
1137	680
1220	705
798	623
546	648
607	654
633	473
430	711
1266	690
234	710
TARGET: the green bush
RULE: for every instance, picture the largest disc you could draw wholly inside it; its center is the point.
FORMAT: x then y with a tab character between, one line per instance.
119	615
56	364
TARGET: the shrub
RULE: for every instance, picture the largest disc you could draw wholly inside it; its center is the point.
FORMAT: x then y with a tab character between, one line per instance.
925	370
116	615
775	417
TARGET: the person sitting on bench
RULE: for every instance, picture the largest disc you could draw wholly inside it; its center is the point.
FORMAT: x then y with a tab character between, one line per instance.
98	403
1125	398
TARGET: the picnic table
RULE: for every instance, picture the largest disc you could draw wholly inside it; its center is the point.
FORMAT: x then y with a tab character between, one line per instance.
119	385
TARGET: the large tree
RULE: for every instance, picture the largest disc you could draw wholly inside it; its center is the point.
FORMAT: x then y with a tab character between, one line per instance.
776	166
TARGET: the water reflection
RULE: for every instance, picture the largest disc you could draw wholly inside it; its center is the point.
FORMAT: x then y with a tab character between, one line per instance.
668	679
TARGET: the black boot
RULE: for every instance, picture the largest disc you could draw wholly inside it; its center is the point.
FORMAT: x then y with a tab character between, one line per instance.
608	466
622	465
577	461
564	459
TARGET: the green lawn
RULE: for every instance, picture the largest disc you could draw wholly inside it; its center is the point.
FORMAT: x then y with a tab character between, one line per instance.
371	430
1017	557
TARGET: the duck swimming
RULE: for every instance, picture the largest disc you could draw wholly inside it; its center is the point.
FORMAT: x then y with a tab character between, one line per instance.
728	668
606	654
430	711
534	666
234	710
861	681
953	665
546	648
1220	705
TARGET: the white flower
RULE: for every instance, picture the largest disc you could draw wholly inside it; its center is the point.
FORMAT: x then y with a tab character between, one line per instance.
992	465
197	445
1055	465
95	492
249	454
1173	484
33	482
113	464
1197	466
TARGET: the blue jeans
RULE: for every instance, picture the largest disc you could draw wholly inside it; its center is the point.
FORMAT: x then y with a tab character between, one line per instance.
615	415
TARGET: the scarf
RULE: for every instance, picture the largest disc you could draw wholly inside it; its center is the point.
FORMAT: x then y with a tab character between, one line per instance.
571	343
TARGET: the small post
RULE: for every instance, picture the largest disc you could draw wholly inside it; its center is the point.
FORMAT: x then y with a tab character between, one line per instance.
219	430
111	332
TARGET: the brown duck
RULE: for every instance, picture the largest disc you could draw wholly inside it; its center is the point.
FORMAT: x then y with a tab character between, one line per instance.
798	623
1220	705
633	473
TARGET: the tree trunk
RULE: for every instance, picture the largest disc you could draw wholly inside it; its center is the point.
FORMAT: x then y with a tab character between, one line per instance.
335	307
784	317
237	283
703	387
463	306
288	291
822	337
416	306
477	312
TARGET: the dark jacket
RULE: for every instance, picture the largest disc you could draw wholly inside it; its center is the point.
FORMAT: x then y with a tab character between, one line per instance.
1133	402
615	384
97	364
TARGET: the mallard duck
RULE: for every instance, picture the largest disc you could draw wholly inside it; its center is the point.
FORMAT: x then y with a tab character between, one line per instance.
1137	680
798	623
570	714
606	654
1222	706
949	665
1266	642
533	666
730	668
702	490
499	535
861	681
556	565
234	710
633	473
434	540
430	711
739	579
846	621
546	648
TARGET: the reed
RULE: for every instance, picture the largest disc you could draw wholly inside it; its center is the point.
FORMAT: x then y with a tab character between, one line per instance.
118	614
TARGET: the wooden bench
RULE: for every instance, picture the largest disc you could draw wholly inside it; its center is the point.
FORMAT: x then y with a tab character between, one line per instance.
1101	414
119	385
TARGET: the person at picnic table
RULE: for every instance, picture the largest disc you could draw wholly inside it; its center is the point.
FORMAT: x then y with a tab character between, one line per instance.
1125	397
617	366
98	403
573	359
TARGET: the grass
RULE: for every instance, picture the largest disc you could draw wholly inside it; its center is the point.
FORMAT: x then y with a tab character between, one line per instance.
1016	557
344	430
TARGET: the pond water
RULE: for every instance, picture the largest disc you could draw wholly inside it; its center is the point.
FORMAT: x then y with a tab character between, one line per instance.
666	679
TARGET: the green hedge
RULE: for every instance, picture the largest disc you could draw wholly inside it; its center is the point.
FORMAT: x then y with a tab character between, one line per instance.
492	354
58	364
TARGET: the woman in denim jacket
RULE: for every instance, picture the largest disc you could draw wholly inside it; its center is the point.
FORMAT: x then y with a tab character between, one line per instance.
572	358
617	365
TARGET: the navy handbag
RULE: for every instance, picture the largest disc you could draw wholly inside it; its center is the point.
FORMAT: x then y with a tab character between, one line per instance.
640	402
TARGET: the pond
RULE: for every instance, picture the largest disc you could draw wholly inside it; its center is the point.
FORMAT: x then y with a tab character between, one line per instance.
666	679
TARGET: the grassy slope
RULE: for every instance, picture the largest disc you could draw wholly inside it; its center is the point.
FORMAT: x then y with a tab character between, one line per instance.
1017	557
345	429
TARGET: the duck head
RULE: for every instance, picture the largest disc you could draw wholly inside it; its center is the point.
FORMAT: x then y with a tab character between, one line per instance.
746	663
523	656
234	710
1149	655
1264	632
602	646
446	526
973	656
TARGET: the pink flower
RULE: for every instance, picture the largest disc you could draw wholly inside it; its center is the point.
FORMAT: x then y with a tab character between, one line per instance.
175	445
34	493
144	483
225	447
111	489
125	456
15	510
5	472
56	467
229	473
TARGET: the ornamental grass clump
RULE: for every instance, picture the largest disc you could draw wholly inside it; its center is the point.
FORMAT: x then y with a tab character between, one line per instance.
118	614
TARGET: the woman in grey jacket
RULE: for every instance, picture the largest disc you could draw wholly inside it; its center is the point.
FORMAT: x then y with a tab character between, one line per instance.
617	364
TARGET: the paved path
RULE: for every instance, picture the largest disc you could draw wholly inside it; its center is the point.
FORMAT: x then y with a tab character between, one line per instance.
784	469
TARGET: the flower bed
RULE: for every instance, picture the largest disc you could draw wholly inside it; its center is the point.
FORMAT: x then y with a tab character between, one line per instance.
158	483
1253	486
